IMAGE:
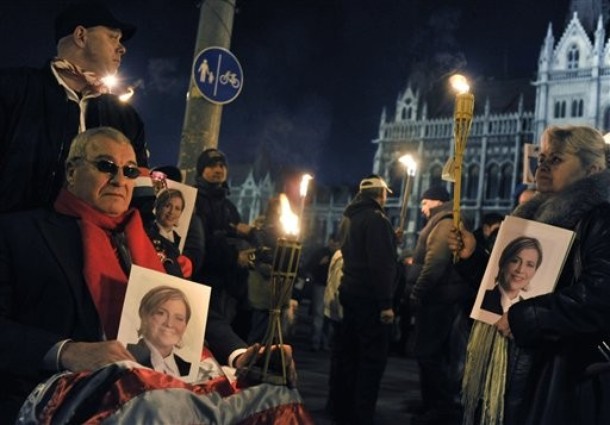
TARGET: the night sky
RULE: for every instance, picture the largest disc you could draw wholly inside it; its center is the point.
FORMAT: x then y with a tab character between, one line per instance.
317	73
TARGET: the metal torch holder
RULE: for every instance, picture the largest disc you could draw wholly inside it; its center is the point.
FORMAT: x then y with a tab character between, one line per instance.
264	365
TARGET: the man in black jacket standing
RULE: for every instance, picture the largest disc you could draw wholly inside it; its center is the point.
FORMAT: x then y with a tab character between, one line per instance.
41	110
368	244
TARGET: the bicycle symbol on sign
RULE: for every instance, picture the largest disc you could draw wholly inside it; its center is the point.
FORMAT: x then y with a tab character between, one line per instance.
229	78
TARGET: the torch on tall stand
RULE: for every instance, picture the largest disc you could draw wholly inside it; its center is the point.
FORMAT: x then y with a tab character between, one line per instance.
411	166
269	364
462	116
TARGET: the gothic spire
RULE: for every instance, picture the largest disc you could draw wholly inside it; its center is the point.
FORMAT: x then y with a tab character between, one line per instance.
588	12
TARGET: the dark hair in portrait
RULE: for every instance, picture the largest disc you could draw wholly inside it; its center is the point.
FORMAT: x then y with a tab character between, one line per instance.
512	249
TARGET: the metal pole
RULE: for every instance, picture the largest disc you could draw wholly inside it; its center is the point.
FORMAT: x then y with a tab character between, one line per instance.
202	118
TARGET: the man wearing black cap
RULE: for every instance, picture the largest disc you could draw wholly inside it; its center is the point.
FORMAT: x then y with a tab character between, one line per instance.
368	245
435	297
41	110
227	250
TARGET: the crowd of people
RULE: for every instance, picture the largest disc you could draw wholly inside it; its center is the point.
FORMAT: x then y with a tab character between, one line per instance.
71	229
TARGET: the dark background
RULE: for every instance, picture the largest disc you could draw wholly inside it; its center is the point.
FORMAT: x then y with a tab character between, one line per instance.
317	73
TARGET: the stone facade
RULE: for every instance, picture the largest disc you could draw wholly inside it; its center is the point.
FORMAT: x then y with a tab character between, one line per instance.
572	86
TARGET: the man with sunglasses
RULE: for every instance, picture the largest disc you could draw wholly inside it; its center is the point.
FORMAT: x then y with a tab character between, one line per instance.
41	110
63	273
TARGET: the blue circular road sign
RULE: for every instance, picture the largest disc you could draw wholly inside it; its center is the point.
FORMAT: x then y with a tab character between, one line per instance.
218	75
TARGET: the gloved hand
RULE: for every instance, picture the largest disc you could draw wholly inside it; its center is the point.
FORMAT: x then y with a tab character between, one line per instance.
186	266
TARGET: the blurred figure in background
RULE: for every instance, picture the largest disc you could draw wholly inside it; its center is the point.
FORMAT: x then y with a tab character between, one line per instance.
316	270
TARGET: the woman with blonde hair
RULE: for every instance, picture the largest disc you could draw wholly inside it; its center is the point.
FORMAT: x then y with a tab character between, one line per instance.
552	362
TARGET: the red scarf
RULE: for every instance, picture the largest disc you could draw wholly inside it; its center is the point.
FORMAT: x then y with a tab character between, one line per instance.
102	271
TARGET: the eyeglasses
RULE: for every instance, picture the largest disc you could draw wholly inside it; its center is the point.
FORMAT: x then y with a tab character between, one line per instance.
107	166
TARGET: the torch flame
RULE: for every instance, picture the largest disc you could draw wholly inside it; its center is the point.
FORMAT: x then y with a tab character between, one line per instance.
126	96
409	162
459	83
304	184
288	219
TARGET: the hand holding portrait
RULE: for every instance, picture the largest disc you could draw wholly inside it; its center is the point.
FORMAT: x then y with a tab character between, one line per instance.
81	356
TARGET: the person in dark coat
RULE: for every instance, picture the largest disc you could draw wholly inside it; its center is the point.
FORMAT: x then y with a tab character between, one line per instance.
437	299
368	284
227	244
41	110
557	372
64	271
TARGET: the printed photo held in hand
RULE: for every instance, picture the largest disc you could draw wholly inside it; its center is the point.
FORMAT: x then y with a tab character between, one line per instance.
525	262
181	224
163	322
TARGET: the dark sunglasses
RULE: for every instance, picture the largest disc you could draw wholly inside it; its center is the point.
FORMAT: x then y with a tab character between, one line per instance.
106	166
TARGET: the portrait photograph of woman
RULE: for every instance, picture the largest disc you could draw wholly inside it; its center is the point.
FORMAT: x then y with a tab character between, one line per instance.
173	210
525	262
163	322
518	264
164	316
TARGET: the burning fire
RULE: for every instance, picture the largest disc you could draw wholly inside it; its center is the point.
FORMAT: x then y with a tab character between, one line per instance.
288	219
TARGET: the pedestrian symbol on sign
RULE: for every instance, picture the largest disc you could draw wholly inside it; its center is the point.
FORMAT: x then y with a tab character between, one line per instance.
218	75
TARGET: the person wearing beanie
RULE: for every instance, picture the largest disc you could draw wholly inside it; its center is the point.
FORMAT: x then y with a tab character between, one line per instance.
436	299
43	109
227	248
360	350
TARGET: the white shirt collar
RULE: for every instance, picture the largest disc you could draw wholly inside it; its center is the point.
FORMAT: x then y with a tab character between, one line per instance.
163	364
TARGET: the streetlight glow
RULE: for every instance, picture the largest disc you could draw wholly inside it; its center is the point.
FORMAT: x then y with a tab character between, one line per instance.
110	81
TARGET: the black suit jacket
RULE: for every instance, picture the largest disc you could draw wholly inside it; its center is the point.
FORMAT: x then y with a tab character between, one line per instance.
44	300
492	301
142	354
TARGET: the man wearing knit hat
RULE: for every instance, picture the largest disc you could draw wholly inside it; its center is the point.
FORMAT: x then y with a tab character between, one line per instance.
368	245
43	109
227	250
435	298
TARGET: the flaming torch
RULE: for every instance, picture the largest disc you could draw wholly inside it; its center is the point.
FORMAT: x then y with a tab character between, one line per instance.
462	116
269	364
411	166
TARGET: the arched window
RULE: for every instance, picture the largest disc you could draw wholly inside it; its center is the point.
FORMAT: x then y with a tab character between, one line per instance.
506	182
607	119
573	56
574	111
557	110
436	174
493	181
563	109
581	107
472	182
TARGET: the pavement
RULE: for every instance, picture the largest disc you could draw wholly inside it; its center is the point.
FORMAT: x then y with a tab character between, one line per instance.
399	384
